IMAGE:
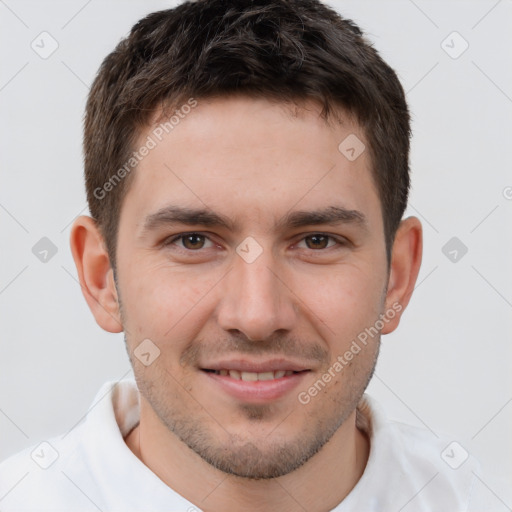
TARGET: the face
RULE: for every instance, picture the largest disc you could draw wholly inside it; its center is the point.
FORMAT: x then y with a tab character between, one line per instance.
251	253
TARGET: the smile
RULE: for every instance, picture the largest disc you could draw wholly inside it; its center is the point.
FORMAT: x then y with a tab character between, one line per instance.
263	386
253	376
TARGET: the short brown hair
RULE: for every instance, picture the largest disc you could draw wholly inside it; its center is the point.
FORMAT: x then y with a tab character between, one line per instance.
285	50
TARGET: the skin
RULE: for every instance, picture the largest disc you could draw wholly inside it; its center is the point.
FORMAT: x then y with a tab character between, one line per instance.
303	298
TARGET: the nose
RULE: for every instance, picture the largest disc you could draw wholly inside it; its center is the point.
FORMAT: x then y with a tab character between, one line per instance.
256	299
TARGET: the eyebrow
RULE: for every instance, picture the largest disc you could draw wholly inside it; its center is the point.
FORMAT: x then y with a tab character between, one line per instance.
173	214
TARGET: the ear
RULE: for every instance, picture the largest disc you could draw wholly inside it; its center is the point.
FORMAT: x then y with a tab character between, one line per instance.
95	273
404	269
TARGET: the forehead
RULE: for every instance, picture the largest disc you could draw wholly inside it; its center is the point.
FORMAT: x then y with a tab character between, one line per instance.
251	158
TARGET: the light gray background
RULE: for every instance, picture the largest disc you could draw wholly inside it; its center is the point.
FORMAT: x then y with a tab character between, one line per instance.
447	368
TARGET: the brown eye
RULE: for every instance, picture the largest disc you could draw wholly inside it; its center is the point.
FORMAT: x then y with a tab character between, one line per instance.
193	241
317	241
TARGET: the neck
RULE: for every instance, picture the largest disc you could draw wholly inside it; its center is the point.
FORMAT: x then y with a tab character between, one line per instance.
319	485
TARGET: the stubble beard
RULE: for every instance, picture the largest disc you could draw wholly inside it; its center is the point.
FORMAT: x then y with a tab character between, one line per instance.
269	457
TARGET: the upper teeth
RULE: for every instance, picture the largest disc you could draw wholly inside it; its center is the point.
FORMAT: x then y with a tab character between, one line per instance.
253	376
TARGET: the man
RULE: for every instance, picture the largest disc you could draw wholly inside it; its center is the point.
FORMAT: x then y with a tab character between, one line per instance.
247	172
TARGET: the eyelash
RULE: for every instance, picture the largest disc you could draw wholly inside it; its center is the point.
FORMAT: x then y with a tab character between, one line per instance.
339	241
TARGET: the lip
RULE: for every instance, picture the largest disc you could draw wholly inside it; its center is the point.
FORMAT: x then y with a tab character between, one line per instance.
269	365
259	391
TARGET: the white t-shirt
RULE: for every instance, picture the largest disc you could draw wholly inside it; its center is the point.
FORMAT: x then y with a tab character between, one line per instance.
91	468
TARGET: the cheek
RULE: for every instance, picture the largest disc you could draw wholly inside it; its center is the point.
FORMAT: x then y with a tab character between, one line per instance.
160	302
346	300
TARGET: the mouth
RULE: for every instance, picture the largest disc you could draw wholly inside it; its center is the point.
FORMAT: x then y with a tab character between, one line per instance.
253	376
255	383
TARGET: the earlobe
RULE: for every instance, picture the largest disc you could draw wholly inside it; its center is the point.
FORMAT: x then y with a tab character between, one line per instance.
404	269
95	273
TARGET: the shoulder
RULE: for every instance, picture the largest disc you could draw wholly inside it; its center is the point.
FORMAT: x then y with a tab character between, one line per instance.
62	472
456	474
42	477
414	468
